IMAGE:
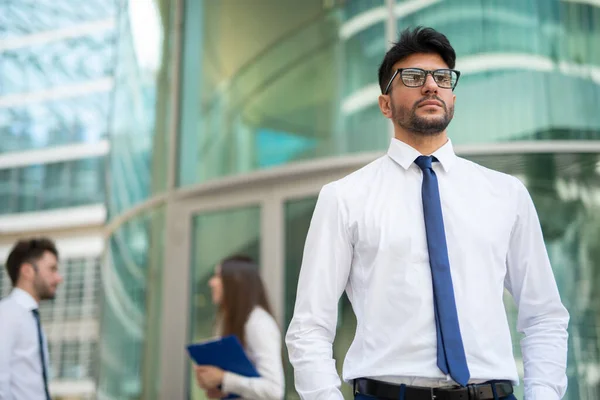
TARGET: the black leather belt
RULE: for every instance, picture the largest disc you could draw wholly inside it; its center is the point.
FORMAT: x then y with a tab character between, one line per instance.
384	390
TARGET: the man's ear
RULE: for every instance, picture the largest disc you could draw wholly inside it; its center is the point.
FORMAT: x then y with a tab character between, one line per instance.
27	270
385	105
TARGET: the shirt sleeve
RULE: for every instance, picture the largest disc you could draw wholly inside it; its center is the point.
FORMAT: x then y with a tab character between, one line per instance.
8	335
263	338
542	318
323	277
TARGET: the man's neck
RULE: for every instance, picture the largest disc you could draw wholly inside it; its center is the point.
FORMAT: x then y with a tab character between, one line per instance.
30	291
425	144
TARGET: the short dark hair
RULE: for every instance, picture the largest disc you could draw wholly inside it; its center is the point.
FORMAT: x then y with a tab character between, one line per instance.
414	41
27	250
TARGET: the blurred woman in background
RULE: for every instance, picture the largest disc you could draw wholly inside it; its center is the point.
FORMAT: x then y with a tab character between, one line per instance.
244	311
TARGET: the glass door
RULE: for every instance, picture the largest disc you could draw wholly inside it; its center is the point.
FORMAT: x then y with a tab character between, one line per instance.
215	236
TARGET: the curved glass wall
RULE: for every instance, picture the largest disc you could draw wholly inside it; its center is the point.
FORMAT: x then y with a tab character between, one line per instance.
131	287
139	120
310	90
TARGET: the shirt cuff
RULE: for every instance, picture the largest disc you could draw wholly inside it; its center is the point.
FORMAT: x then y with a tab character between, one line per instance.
232	383
541	393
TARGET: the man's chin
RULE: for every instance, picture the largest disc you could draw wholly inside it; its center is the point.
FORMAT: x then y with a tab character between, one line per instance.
437	116
49	296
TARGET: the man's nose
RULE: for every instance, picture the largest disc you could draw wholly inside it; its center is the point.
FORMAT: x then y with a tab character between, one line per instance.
429	86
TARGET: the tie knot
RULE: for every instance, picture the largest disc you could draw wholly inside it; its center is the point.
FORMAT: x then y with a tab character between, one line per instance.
424	162
36	312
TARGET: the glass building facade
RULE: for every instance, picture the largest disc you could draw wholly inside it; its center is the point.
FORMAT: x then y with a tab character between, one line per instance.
222	145
56	85
56	65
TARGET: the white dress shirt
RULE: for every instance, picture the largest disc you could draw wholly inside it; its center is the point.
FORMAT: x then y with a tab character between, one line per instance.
21	375
367	236
263	347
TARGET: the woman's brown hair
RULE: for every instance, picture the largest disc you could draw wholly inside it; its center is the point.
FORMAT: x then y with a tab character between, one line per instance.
243	290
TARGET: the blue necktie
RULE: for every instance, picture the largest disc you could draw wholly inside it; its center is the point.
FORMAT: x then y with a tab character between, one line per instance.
450	351
42	356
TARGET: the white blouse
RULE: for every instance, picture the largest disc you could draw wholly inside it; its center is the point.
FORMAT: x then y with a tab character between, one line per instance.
263	346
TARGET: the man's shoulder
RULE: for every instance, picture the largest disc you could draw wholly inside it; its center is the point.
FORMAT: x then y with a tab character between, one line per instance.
358	178
494	176
10	309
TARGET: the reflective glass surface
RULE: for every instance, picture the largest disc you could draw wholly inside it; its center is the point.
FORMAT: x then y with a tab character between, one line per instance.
261	99
56	67
241	227
529	71
140	117
131	281
566	192
137	164
64	62
25	17
49	186
71	120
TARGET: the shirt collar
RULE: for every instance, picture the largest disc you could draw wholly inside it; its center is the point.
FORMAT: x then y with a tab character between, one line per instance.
405	155
24	299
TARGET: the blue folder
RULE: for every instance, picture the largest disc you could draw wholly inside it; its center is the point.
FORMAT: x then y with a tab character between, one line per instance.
226	353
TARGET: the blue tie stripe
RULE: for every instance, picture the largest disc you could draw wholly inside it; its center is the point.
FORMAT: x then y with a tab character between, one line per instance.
450	350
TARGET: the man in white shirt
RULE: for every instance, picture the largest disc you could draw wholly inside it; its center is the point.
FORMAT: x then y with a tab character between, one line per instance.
424	243
33	269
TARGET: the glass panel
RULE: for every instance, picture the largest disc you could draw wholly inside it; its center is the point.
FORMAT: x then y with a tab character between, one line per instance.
74	288
241	227
532	55
51	186
56	68
310	89
24	17
139	123
80	119
283	94
140	116
69	365
77	60
298	214
132	265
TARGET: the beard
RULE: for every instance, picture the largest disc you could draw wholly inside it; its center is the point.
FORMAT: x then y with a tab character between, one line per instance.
422	126
43	290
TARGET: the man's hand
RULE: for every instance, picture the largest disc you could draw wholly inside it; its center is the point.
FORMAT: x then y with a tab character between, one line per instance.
209	377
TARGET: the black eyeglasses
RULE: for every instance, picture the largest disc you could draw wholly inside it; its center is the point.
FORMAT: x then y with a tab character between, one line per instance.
416	77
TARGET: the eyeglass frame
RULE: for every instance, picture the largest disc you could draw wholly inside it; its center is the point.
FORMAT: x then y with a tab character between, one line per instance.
427	72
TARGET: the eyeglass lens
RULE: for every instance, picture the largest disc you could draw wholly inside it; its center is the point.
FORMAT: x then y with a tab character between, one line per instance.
445	78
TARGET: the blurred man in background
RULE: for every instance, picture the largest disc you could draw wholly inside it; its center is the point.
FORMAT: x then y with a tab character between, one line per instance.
33	269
